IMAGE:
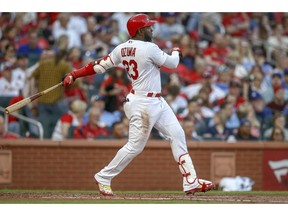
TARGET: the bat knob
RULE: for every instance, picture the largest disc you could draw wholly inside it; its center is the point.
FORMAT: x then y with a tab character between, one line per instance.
7	112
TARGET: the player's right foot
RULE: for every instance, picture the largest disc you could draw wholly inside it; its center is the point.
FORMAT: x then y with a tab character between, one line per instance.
105	189
203	186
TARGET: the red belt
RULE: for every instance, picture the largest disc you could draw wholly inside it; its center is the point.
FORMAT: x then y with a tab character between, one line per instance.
148	94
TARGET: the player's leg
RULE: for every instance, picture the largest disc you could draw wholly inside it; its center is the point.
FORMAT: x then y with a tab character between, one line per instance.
140	125
170	127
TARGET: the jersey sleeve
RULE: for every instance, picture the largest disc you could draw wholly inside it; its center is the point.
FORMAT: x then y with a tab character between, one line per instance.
157	56
115	56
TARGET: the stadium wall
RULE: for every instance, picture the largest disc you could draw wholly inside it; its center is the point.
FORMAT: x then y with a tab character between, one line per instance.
71	164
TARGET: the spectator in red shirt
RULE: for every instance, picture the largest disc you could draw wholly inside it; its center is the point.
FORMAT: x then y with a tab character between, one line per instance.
236	24
5	134
93	129
215	54
73	118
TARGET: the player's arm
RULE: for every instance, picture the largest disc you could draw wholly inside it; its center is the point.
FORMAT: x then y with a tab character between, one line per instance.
172	60
161	58
96	67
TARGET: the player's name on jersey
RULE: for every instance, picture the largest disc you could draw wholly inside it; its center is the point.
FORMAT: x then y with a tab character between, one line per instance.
128	51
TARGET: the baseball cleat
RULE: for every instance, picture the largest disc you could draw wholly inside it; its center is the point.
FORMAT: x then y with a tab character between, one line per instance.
203	186
105	189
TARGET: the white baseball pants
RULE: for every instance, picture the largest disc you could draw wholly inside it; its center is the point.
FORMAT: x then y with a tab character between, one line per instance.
144	113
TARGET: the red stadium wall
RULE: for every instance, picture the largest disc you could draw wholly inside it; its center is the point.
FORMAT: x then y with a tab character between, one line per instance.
34	164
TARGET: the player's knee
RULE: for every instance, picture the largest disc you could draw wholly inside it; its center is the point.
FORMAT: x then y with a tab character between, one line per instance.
134	148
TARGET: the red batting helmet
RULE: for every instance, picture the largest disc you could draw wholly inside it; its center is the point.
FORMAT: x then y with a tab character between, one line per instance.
138	21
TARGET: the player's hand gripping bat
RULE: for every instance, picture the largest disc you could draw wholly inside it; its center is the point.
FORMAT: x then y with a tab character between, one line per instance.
28	100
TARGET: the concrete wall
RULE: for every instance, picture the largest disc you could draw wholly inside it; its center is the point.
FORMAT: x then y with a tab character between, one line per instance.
34	164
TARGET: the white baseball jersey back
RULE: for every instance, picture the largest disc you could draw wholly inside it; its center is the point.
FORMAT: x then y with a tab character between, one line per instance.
142	61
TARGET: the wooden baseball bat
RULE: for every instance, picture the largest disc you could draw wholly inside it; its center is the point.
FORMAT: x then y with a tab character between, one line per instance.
28	100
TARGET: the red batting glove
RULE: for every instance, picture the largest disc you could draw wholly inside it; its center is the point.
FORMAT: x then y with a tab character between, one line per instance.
68	79
82	72
178	50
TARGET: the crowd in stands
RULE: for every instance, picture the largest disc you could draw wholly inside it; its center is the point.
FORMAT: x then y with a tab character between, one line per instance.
231	83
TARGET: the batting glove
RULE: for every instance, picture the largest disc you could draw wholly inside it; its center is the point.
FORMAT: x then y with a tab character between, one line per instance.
178	50
68	79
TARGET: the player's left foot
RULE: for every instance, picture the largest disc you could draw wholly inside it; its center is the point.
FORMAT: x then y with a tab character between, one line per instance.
105	189
203	186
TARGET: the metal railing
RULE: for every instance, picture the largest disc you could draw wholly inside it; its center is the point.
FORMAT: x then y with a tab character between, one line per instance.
24	118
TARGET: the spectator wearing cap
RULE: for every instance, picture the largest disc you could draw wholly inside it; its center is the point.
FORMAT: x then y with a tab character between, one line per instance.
171	28
73	118
244	131
235	90
19	74
278	102
263	113
106	118
8	86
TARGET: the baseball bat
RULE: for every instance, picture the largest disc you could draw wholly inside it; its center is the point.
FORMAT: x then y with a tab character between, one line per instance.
28	100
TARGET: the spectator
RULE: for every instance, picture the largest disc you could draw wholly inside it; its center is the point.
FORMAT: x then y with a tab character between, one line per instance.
171	28
9	54
5	134
189	130
235	90
73	118
52	105
8	86
244	132
246	111
263	113
118	130
279	121
31	48
217	126
177	101
277	134
277	43
215	54
93	129
19	74
62	26
278	102
285	84
206	80
106	118
236	24
115	88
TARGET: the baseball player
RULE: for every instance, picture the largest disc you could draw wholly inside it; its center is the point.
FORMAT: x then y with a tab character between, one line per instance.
144	106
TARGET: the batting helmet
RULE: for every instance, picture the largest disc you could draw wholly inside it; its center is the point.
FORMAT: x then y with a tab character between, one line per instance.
138	21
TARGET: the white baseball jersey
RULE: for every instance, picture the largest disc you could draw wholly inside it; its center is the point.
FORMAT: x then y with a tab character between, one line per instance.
142	61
